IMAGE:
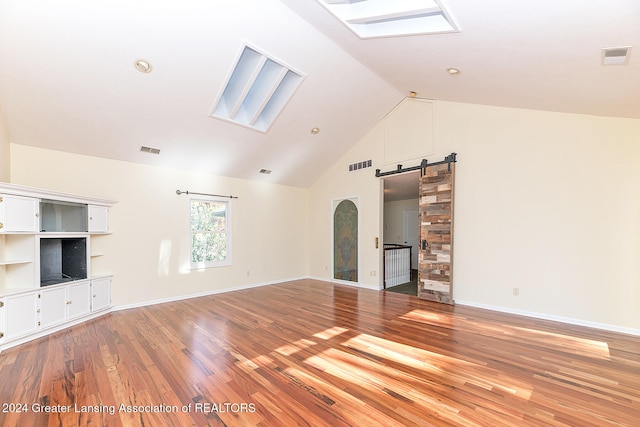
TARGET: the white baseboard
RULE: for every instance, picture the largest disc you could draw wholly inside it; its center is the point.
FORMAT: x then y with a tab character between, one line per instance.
568	320
345	282
202	294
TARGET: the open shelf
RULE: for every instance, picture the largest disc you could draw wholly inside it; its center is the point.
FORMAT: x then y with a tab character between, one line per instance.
15	261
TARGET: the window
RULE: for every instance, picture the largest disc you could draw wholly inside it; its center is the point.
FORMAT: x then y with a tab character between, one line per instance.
210	232
379	18
256	91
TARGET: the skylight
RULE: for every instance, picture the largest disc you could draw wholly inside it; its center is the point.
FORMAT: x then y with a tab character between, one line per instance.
386	18
257	90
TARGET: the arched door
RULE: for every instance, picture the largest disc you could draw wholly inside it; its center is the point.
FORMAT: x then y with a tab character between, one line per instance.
345	241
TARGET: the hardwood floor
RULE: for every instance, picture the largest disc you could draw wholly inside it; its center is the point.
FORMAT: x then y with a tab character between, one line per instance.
314	353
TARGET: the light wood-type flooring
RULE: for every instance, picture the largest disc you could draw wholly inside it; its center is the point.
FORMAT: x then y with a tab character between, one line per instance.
319	354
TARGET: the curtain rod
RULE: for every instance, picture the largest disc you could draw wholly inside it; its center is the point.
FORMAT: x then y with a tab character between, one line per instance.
451	158
178	192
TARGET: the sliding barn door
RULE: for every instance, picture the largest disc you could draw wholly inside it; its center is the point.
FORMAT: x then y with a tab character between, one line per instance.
436	233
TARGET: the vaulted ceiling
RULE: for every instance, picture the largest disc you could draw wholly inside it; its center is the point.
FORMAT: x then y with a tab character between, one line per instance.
68	82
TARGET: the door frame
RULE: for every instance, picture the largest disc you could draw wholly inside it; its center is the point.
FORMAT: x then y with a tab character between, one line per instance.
451	160
406	215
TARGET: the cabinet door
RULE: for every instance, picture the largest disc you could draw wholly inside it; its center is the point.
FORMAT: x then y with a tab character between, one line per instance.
79	299
20	315
101	289
98	219
53	306
18	214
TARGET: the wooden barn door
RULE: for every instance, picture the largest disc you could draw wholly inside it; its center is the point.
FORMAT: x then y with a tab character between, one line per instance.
436	232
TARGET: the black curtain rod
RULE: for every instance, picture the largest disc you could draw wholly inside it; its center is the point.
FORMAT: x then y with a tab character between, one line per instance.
451	158
178	192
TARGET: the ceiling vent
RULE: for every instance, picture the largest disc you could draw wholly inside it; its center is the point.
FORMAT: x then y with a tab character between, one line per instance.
616	55
385	18
256	91
150	150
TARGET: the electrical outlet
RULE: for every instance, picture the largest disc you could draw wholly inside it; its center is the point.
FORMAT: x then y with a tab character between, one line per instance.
248	273
516	292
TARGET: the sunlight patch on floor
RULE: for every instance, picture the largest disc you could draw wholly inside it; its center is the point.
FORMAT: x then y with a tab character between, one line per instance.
342	400
571	344
378	379
262	361
563	342
429	318
330	333
439	365
294	347
252	364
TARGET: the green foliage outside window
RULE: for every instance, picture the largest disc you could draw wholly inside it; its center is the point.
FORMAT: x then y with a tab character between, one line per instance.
208	231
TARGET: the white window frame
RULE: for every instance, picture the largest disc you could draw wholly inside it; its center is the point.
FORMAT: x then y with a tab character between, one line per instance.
228	221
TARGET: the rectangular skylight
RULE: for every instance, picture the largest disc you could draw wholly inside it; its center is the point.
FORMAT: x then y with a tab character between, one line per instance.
256	91
385	18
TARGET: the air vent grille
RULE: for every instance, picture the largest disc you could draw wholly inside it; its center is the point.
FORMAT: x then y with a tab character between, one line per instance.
616	55
360	165
150	150
257	90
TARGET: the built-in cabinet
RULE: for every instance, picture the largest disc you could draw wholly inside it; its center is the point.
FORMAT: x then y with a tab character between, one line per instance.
101	293
19	214
53	306
47	275
98	219
28	313
20	315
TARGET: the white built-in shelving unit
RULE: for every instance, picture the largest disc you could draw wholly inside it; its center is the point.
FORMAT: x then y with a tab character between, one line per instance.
49	276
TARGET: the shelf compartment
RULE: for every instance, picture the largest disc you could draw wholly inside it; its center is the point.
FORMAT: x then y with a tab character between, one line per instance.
62	260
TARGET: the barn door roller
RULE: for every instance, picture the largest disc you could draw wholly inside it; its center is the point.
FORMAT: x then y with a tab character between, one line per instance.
451	158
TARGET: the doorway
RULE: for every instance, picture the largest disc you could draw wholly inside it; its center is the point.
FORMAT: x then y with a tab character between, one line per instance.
401	229
435	197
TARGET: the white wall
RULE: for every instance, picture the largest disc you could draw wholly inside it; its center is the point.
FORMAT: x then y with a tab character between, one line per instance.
545	202
5	162
339	183
148	249
394	219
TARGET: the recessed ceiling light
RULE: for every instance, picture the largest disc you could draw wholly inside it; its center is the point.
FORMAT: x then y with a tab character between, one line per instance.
453	71
315	131
143	65
413	94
